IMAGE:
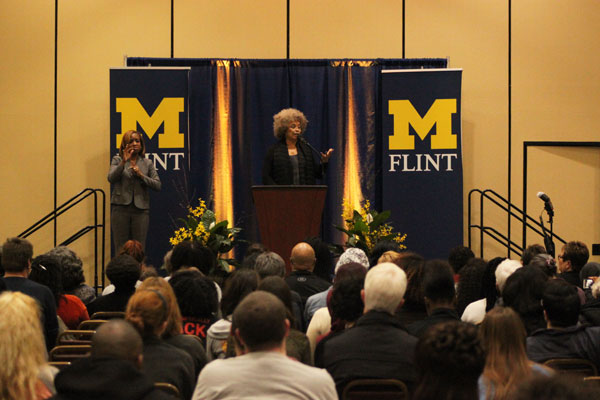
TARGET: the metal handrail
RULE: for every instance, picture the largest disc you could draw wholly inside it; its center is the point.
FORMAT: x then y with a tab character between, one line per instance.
512	210
66	206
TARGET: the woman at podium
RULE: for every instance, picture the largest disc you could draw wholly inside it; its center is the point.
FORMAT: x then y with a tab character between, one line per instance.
290	160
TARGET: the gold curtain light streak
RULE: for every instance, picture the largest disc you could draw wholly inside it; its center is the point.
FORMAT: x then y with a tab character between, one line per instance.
222	166
352	189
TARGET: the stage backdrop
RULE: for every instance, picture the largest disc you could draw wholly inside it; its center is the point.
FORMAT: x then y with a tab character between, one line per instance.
422	157
231	108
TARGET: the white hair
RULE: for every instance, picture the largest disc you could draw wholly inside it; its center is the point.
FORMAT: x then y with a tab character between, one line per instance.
385	285
504	270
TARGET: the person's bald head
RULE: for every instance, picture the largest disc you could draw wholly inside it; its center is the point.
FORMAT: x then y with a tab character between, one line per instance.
303	257
117	339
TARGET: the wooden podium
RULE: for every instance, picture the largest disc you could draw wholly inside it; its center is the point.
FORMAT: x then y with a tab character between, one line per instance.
288	215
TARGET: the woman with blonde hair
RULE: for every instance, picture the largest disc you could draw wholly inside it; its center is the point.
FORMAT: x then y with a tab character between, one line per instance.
173	333
290	160
25	374
148	311
503	337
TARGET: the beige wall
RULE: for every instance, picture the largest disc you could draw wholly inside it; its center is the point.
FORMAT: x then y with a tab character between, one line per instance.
554	87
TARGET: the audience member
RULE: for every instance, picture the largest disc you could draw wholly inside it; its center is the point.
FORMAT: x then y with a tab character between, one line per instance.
345	306
240	284
503	337
532	251
475	312
296	342
197	299
588	275
545	263
378	346
413	307
189	254
16	260
319	300
24	373
556	387
320	323
590	311
470	284
458	258
45	270
571	259
324	259
123	271
301	279
439	295
390	256
523	293
134	249
381	247
72	274
148	311
449	360
173	332
263	371
271	264
113	371
253	251
563	338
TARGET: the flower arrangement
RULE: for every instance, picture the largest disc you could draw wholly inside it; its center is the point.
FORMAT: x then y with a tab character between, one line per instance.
201	225
366	227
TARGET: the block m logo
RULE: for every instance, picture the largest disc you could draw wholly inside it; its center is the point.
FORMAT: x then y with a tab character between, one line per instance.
439	114
167	112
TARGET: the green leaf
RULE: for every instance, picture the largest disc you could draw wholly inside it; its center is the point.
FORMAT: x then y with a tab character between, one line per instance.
379	219
360	226
208	218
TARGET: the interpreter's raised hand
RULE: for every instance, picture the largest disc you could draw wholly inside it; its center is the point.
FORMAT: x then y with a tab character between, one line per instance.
326	156
127	153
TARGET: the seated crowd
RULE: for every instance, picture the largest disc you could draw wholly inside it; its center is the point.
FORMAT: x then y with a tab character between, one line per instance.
464	328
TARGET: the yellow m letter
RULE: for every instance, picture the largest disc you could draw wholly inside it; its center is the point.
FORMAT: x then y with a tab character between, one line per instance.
439	114
167	111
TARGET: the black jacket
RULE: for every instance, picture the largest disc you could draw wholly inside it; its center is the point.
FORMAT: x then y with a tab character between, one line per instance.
437	316
578	341
378	346
277	167
101	378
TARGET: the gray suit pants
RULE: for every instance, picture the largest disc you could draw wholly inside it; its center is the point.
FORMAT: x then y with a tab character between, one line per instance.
128	222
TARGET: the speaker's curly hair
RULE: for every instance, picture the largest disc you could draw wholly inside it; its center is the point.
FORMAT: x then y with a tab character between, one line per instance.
283	119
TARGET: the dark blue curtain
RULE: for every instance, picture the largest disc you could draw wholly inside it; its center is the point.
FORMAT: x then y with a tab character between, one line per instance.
261	88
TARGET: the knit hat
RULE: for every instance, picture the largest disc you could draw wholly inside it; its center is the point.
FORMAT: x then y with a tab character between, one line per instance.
353	254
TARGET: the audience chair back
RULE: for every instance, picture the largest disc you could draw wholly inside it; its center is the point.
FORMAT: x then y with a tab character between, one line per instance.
592	380
74	337
70	353
573	366
60	365
375	389
108	315
168	388
90	324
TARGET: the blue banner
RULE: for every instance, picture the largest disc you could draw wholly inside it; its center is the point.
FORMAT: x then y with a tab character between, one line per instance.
155	103
422	183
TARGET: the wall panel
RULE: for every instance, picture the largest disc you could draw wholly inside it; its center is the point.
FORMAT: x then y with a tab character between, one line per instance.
94	36
345	29
556	89
474	35
230	29
26	117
